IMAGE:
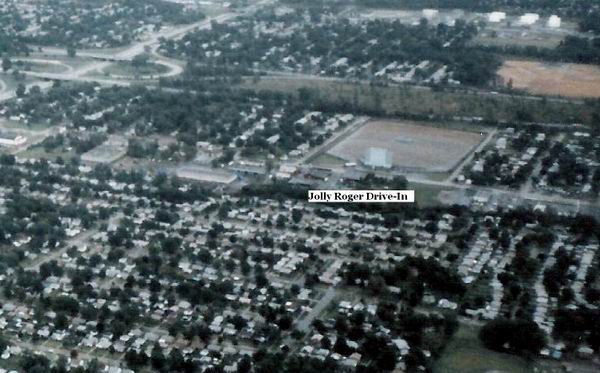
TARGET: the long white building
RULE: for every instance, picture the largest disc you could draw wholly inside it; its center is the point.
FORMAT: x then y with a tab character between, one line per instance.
11	139
529	18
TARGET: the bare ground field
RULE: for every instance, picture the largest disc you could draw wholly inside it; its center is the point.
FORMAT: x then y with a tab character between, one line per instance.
413	146
563	79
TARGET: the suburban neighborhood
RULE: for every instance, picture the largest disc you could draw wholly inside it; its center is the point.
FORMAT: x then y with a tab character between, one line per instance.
159	159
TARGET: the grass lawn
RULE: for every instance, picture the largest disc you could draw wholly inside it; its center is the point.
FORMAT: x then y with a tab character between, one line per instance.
426	195
466	354
325	159
127	69
213	10
438	176
12	124
40	67
38	152
540	41
11	82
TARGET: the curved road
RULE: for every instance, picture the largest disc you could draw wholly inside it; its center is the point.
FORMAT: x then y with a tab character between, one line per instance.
104	60
45	61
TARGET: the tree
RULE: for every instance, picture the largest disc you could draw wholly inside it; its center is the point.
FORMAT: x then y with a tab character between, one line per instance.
157	357
296	215
135	360
285	322
3	343
71	51
176	361
244	365
518	336
35	90
6	64
387	359
20	92
341	346
61	321
60	366
140	60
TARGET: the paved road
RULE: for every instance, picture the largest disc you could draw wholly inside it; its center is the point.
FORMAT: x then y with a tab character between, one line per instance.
60	351
305	323
79	240
151	41
532	196
127	54
47	61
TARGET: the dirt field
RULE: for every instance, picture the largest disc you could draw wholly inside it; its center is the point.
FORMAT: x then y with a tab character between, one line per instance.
413	146
564	79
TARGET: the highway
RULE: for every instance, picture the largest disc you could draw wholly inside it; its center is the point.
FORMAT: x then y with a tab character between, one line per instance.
510	194
103	58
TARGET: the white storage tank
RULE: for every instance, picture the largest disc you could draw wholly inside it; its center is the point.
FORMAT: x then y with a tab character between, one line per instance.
496	17
430	13
529	18
554	21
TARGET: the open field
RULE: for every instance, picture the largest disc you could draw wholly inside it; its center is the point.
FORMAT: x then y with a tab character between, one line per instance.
327	160
564	79
38	152
127	69
413	146
64	61
465	354
212	10
10	83
491	38
425	101
538	35
412	17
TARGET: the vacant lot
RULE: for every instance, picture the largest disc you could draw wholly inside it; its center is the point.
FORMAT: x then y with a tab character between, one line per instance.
564	79
427	195
413	146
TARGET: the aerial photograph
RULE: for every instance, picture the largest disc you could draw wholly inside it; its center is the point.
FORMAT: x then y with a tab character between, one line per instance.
300	186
